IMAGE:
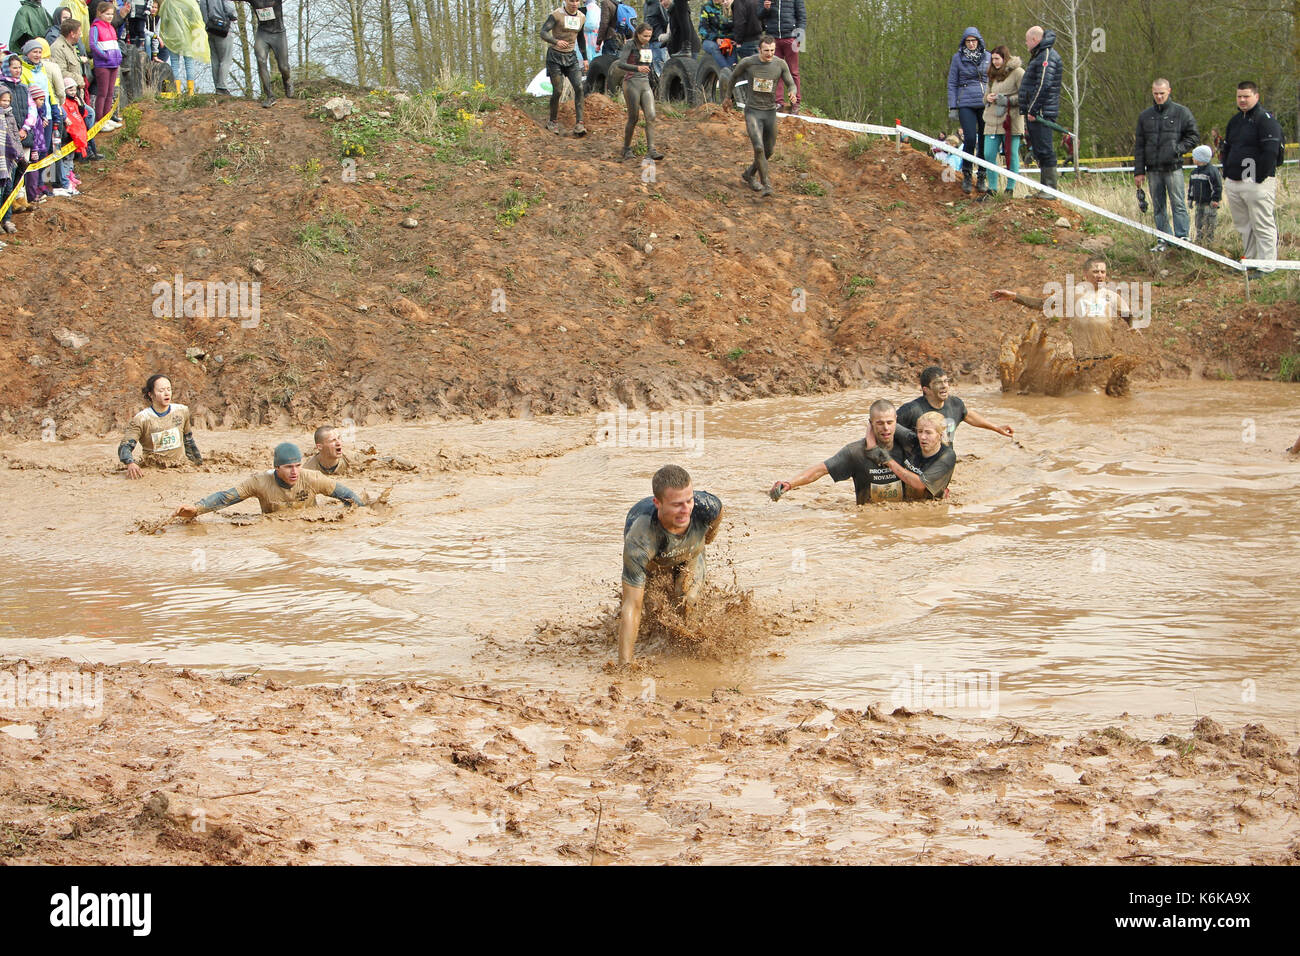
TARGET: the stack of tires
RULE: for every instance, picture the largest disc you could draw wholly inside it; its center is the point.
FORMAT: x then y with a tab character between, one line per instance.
685	79
141	77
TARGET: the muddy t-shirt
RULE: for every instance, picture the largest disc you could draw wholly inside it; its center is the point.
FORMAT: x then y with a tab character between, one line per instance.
953	412
571	27
935	471
873	482
273	496
762	80
1093	333
646	542
161	435
341	468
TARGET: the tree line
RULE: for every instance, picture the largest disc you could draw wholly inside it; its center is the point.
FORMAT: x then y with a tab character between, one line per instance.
865	60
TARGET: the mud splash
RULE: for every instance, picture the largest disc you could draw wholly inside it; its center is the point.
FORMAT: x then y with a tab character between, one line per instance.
1042	362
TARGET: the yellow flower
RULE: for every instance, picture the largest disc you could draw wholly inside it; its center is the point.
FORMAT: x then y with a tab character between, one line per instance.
479	86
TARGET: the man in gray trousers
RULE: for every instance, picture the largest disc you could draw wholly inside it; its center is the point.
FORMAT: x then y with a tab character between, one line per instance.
219	20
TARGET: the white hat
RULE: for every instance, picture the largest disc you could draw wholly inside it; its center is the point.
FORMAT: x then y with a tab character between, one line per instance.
1202	154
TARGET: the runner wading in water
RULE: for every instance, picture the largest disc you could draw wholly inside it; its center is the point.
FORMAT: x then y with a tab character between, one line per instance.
287	486
935	397
763	71
635	60
666	532
873	480
162	430
329	458
563	30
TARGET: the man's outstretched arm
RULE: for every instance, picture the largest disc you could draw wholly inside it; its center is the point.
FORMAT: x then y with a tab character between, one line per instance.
805	477
1007	295
979	421
629	620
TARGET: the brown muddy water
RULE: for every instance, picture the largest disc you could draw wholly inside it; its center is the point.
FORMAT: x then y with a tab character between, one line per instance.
1120	556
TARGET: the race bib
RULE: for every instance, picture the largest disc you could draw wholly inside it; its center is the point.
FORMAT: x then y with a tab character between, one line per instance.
1097	307
951	429
890	492
167	440
574	22
266	13
647	56
764	86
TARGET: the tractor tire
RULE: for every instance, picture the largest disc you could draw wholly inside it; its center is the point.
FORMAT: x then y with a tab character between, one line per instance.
597	80
158	78
677	83
709	79
739	92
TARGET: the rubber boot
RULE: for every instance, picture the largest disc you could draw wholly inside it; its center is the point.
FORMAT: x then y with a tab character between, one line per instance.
650	147
965	181
1049	176
189	87
288	89
981	181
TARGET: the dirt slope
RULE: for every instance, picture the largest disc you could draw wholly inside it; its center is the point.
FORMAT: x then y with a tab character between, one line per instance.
685	289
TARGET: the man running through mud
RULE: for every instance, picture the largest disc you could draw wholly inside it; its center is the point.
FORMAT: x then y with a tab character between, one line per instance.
763	71
1093	330
162	431
564	29
935	397
665	533
287	486
329	458
873	480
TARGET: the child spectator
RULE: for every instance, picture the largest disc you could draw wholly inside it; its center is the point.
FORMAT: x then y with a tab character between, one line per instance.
37	143
75	123
11	148
107	57
1204	193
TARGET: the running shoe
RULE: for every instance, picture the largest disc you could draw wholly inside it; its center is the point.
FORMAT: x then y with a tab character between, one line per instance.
579	130
553	127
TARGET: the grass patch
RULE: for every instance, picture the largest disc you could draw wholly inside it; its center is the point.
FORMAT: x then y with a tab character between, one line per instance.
308	171
859	145
858	284
1288	369
1036	237
810	187
448	117
735	354
514	206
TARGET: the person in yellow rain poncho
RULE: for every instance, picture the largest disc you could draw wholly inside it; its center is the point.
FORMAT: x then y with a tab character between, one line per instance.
180	25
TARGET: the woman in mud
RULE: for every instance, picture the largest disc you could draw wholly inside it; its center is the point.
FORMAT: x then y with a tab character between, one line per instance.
1094	356
162	430
635	60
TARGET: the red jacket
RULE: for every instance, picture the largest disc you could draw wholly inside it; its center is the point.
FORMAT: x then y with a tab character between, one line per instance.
76	124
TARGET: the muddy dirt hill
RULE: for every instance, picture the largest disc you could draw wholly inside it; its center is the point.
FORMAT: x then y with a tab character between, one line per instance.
473	264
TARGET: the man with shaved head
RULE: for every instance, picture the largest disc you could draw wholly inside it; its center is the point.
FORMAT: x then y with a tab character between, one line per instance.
1165	131
865	461
1040	98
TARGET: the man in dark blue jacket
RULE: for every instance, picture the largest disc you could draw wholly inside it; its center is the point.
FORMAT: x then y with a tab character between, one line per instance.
1165	131
1251	150
787	20
1040	96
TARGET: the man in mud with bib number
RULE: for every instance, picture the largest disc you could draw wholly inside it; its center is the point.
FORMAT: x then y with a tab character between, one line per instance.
564	31
873	480
665	533
762	71
285	487
270	37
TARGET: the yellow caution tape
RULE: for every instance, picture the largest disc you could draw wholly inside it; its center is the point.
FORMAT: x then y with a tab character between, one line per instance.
55	157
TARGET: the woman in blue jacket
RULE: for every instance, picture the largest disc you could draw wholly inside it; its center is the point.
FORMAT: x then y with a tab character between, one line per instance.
967	85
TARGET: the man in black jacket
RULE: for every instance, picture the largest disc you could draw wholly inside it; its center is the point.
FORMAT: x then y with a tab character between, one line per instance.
1040	96
1165	131
748	17
1251	150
